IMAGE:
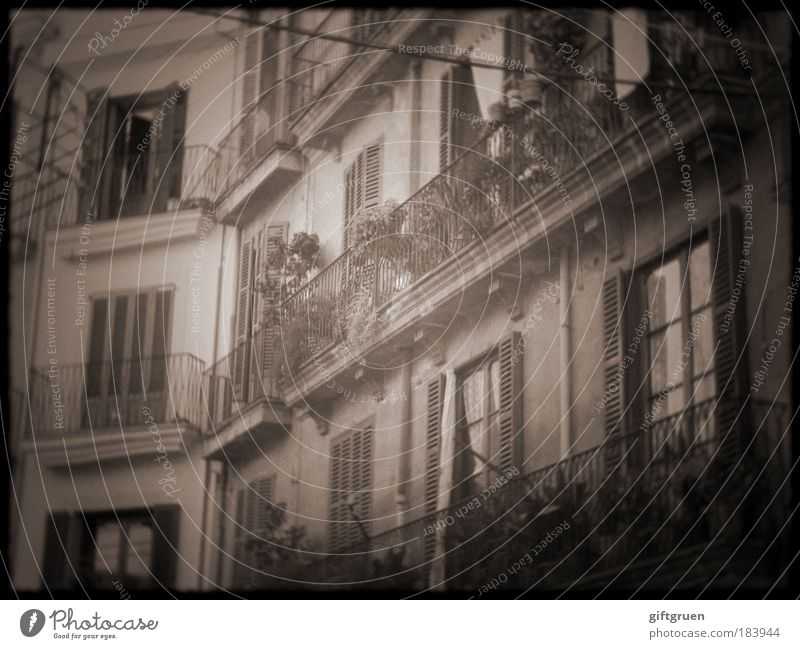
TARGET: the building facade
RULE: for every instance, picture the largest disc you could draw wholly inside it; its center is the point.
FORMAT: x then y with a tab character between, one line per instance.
483	302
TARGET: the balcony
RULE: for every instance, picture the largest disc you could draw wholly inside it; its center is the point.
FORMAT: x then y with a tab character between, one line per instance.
544	166
112	409
652	508
195	188
243	397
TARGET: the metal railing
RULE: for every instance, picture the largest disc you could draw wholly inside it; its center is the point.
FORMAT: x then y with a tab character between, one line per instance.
242	377
318	62
126	392
652	491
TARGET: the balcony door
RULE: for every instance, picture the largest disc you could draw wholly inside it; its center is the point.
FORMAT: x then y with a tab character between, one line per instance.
126	372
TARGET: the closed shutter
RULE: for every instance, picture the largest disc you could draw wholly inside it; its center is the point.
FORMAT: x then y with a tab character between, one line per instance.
239	536
510	412
446	123
243	320
362	186
372	175
168	170
254	503
250	75
432	450
730	360
166	520
351	476
613	351
94	169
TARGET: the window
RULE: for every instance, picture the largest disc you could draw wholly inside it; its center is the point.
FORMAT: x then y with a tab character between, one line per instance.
254	506
124	549
133	156
456	93
680	335
362	186
260	93
477	434
351	488
128	356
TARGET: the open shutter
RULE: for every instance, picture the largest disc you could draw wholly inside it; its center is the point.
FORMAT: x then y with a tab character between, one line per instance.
464	98
432	450
242	330
250	76
273	235
513	47
613	351
94	186
373	161
168	167
165	539
54	561
510	415
730	360
446	124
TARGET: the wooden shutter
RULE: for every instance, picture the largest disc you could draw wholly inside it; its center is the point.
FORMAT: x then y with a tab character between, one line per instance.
513	47
613	352
351	473
373	162
250	76
168	167
239	536
166	520
730	360
94	186
446	123
274	234
54	560
510	413
432	450
464	98
243	318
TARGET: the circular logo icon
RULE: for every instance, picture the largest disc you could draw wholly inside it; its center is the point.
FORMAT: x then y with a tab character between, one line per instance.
31	622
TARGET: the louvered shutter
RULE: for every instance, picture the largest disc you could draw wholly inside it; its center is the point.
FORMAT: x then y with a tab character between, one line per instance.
265	340
239	536
730	359
250	76
432	450
613	351
464	98
351	473
243	319
446	123
510	411
373	163
349	206
513	47
94	186
168	166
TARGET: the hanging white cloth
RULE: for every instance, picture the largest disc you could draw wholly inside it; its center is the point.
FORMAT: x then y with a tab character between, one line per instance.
445	487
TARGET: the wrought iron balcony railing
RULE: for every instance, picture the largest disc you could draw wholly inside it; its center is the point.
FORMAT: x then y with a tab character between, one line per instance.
534	152
126	392
318	62
242	377
652	493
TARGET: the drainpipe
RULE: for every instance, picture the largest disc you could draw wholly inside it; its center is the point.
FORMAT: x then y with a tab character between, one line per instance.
566	387
404	475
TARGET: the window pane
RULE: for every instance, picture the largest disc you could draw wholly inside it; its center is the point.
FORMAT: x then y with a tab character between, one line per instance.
703	349
667	403
700	275
705	388
664	293
106	538
474	397
140	542
665	352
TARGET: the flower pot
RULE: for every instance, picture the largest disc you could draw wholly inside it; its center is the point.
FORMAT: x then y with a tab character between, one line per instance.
497	112
530	90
